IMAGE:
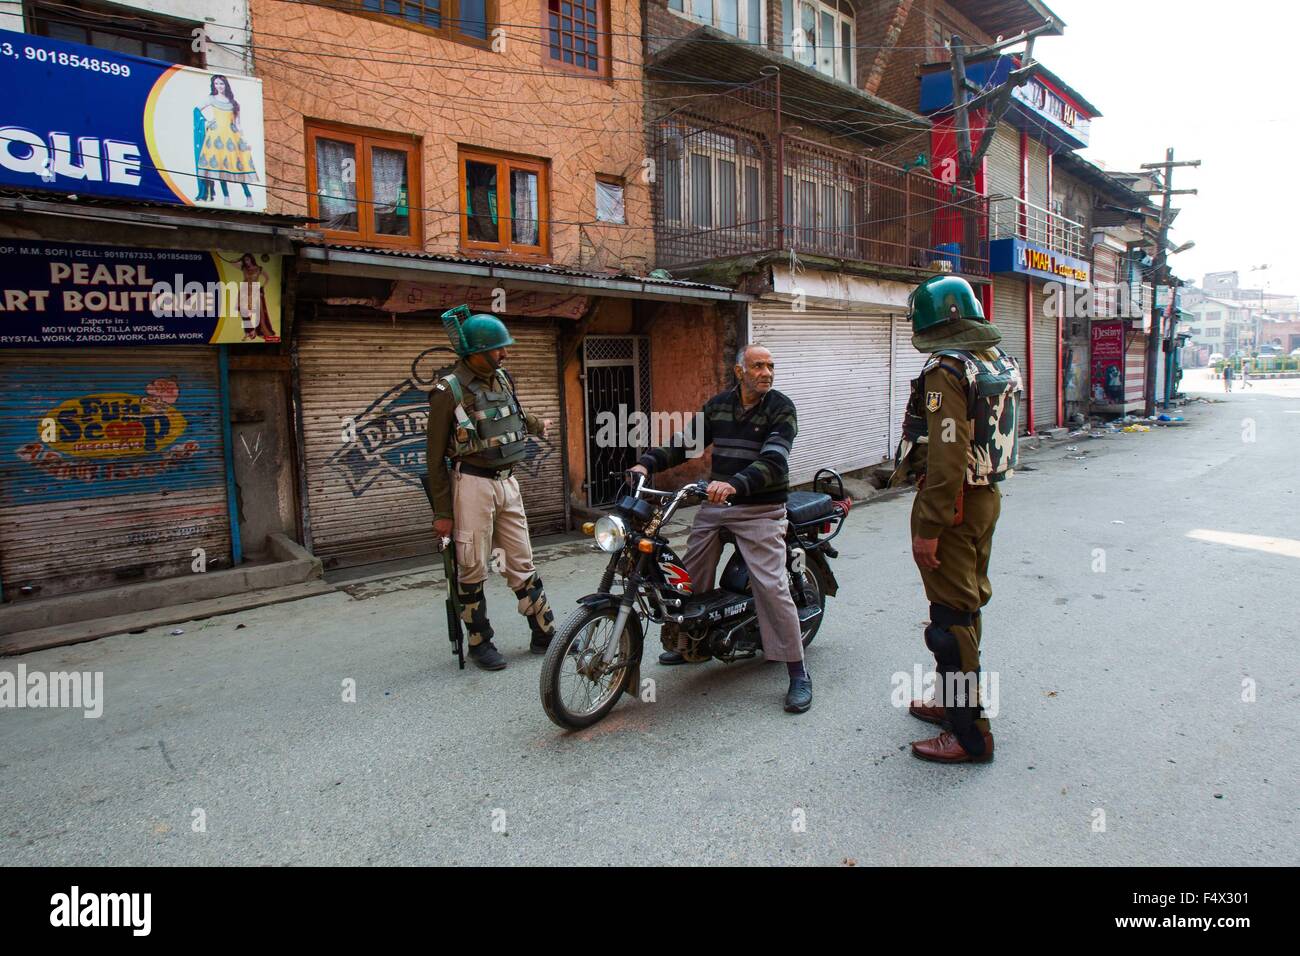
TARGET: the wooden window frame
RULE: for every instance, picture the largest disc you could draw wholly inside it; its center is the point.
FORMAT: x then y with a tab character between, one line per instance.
450	15
604	68
364	141
504	163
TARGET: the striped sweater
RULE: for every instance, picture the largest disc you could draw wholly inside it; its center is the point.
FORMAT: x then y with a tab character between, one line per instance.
751	449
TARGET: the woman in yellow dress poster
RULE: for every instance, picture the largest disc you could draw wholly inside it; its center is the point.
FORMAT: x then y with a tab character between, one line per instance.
226	156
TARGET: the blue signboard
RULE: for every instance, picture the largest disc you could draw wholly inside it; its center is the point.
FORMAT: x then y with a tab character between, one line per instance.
55	295
85	120
1025	258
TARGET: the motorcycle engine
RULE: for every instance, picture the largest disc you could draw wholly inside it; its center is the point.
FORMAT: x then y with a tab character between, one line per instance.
676	640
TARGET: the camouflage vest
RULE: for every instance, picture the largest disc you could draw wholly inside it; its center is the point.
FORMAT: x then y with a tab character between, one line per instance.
493	433
993	389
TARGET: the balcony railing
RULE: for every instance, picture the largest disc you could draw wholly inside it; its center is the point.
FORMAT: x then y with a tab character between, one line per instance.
1010	217
716	197
731	181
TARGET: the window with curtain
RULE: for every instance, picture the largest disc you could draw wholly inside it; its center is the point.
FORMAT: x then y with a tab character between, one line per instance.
743	19
504	202
364	185
820	34
464	20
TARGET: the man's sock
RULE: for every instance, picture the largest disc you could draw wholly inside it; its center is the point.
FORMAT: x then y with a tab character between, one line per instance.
796	670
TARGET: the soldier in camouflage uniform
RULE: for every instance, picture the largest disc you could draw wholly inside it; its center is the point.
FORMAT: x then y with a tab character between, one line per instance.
477	428
959	439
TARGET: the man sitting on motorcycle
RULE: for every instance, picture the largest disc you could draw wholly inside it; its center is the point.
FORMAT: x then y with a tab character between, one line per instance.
751	428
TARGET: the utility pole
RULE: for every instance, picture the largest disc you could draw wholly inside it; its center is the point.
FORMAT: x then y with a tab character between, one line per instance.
1159	272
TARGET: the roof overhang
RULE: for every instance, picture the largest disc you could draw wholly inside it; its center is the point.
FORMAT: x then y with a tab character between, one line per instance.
713	57
387	265
1007	18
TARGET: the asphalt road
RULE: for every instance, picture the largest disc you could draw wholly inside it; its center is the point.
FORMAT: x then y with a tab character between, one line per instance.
1122	733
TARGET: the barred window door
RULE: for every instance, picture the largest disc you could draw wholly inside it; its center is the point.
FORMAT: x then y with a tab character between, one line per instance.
616	375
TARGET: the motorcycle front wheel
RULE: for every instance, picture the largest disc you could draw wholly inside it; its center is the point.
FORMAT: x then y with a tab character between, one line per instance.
578	688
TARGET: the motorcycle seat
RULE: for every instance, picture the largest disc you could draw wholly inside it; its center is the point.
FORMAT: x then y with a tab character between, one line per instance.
804	507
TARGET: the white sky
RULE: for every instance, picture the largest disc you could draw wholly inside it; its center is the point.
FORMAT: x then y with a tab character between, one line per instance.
1219	82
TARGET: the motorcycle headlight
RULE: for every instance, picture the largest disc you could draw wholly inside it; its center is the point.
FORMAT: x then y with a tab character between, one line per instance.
611	534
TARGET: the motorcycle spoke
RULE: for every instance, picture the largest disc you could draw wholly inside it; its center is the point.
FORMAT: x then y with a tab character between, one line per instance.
581	693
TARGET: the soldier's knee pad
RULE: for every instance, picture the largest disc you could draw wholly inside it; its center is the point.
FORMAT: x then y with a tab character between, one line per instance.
534	606
940	639
473	611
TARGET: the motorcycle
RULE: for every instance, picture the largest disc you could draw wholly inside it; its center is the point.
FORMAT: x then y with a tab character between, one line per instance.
596	654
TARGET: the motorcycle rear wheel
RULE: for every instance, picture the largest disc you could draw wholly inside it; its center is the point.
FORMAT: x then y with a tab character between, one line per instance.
576	689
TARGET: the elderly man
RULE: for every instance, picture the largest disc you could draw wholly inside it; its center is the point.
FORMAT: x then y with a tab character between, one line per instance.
751	428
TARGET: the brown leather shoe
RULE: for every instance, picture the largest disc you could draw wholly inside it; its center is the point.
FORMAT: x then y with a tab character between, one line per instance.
946	749
930	712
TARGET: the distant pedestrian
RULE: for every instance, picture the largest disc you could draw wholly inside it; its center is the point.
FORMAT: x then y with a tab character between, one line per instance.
1245	376
1227	378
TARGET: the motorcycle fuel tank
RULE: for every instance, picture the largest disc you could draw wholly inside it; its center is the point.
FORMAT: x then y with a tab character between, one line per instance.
674	572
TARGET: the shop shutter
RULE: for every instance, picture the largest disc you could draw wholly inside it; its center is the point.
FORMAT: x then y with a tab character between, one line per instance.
907	366
1009	317
134	507
1046	359
365	496
834	366
1135	367
1004	162
1038	160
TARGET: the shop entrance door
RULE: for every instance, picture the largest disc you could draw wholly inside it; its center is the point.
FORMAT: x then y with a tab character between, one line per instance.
616	373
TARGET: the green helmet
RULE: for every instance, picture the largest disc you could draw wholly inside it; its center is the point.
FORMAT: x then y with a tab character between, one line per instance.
471	334
942	299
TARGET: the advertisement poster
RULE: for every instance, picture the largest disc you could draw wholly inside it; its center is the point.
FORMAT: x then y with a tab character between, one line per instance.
144	429
99	123
54	295
1107	362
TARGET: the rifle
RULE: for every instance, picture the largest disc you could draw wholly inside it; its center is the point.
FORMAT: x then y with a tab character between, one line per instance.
455	628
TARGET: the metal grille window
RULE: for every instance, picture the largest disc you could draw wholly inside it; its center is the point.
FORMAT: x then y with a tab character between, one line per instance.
719	173
577	30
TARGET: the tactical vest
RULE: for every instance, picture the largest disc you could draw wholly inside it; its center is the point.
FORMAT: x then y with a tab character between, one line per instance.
494	432
993	388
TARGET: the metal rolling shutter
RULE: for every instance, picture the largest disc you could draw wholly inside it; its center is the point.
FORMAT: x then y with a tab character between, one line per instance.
1135	367
1004	162
72	518
1046	358
1009	317
907	366
365	495
1038	173
834	366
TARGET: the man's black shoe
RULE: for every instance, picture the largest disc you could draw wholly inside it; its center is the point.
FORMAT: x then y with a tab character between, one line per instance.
799	697
668	658
486	656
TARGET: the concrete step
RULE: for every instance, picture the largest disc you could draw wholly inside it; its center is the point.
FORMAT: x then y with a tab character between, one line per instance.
292	564
23	642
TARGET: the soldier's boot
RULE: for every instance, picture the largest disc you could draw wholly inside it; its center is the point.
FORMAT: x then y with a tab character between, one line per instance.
534	606
969	740
473	611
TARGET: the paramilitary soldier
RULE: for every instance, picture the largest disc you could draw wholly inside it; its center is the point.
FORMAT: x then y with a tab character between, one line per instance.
960	439
476	423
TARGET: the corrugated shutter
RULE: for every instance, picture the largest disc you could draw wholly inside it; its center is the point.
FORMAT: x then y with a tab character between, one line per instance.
1135	368
1009	317
1004	162
113	467
1046	358
365	495
907	366
834	366
1037	173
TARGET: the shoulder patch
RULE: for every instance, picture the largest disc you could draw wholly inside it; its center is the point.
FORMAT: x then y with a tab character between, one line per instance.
933	400
441	386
